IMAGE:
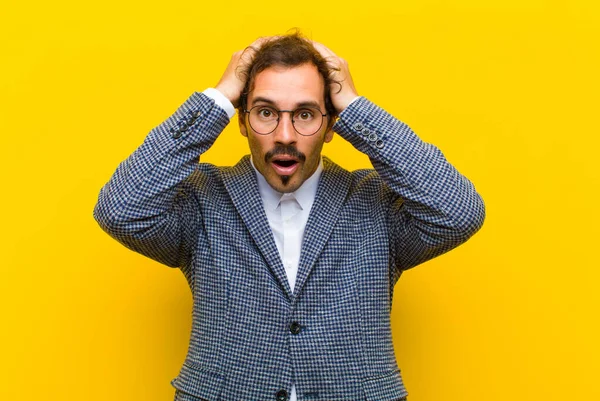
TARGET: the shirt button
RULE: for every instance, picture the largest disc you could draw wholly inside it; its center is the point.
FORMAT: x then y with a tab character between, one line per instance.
281	395
295	328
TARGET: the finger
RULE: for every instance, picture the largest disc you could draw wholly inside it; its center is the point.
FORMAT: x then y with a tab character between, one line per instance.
250	51
258	43
262	40
330	57
324	50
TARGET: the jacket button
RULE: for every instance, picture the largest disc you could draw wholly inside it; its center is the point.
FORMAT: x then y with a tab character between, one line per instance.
281	395
358	126
177	134
295	328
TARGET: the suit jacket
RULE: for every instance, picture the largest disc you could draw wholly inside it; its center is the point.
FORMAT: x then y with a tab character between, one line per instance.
251	335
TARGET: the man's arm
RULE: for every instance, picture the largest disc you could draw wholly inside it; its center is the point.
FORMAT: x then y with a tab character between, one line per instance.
432	208
144	206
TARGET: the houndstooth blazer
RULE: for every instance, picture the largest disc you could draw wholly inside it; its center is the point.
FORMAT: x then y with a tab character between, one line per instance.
252	337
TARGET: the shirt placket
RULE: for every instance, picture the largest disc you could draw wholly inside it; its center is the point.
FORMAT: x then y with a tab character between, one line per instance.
291	248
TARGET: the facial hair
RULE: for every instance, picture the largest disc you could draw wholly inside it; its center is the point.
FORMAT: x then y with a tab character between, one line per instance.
289	150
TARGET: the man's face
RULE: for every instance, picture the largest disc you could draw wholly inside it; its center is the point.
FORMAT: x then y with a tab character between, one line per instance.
284	157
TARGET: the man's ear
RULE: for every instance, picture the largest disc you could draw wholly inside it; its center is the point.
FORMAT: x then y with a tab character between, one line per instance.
328	135
329	132
242	124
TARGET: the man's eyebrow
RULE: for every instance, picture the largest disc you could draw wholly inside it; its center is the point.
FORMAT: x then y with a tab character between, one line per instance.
310	103
262	100
307	103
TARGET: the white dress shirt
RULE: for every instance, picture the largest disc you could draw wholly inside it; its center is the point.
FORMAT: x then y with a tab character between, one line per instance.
287	214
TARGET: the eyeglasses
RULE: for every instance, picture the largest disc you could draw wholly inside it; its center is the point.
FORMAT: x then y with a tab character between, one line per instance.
307	121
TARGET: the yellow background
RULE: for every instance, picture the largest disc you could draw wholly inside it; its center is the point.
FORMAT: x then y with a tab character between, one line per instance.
508	90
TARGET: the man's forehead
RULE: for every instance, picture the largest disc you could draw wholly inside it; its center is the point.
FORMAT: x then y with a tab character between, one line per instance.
290	85
298	102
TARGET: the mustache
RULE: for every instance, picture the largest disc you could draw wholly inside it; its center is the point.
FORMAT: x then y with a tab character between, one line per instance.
289	150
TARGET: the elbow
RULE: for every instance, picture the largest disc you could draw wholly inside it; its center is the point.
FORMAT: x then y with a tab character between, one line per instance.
106	215
471	219
104	219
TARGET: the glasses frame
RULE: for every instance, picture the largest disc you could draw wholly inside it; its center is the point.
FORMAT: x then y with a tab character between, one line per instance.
247	112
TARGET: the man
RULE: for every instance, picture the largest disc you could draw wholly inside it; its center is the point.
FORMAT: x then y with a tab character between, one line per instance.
291	259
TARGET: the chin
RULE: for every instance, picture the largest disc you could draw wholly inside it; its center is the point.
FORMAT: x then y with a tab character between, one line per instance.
284	184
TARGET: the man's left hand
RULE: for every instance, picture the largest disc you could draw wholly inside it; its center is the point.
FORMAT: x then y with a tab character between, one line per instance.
340	96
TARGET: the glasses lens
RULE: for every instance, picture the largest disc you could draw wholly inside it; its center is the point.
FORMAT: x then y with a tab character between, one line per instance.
307	120
263	119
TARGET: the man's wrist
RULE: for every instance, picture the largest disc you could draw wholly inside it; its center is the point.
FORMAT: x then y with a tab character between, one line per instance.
343	104
221	100
352	101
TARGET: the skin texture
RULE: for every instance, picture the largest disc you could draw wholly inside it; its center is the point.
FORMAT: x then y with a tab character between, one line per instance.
286	88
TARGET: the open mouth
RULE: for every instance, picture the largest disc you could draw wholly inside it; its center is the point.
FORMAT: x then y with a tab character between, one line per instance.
284	165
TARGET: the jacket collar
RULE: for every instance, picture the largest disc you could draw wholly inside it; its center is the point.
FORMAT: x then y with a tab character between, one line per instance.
305	195
242	185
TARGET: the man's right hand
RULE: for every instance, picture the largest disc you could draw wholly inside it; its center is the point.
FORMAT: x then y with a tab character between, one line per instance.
232	82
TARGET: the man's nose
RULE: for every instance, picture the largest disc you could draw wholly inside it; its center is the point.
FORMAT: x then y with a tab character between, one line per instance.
285	132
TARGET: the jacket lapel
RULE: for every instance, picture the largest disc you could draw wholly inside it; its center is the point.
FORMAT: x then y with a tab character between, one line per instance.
242	186
331	194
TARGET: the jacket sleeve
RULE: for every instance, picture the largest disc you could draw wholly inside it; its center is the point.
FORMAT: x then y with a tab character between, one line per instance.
431	208
144	204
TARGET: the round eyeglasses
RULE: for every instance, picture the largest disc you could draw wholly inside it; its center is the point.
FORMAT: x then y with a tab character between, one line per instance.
306	120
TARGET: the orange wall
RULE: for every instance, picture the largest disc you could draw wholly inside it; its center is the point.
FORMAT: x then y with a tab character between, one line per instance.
507	90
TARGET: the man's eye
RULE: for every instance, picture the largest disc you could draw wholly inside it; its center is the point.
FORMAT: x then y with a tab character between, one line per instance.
305	114
266	113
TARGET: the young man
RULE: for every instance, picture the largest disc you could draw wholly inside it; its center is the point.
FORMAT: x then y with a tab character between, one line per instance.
291	259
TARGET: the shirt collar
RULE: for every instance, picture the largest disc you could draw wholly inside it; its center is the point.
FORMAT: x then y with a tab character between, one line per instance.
305	195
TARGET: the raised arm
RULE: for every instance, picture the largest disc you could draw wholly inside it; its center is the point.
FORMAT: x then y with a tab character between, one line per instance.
145	205
431	207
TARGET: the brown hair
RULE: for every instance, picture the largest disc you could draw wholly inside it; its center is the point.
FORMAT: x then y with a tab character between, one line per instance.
289	50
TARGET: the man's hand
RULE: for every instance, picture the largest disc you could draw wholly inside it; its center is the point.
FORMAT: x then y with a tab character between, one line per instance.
340	97
232	83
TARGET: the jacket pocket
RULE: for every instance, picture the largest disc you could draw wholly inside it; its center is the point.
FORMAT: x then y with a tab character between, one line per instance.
387	387
194	380
181	396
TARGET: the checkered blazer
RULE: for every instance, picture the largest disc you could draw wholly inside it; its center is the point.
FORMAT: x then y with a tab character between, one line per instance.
252	337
